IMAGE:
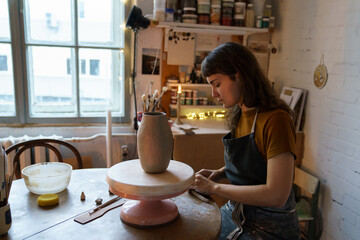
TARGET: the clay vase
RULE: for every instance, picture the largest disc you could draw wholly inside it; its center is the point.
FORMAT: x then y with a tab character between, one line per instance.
155	142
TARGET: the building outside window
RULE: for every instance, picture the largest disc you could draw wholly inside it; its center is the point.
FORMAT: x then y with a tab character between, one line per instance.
3	63
72	65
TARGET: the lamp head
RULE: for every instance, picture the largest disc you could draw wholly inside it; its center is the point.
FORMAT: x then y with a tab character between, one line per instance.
136	20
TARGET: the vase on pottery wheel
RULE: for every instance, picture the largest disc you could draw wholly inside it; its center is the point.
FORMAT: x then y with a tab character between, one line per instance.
155	142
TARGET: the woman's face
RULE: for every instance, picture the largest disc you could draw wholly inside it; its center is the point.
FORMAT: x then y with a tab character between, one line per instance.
224	89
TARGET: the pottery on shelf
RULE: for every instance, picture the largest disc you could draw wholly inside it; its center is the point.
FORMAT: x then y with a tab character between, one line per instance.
155	142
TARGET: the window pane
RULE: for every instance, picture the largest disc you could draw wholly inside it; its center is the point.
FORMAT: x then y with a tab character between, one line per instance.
49	21
102	86
52	89
7	99
4	20
101	24
83	66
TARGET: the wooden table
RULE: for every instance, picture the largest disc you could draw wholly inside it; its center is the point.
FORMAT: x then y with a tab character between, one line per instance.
197	220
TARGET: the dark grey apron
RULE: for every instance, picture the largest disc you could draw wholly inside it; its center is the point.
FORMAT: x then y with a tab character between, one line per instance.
244	165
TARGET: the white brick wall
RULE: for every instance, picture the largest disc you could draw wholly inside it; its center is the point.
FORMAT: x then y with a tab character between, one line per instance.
306	29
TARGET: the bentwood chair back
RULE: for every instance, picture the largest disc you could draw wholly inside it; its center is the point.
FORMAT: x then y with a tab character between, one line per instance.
307	189
38	147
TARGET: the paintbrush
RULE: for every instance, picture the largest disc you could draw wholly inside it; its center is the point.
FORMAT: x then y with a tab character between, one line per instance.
150	90
143	97
11	178
156	94
164	89
3	180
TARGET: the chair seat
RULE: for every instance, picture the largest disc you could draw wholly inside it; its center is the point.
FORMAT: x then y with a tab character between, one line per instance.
303	210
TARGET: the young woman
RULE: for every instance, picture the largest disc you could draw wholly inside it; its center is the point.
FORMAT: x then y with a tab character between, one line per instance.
259	150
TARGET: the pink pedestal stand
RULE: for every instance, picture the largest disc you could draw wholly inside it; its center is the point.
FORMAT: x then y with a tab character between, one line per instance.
150	192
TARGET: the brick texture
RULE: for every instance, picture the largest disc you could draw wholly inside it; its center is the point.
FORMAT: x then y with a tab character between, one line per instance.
305	30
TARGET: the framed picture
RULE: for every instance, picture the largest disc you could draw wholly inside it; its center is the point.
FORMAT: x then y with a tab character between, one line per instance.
151	61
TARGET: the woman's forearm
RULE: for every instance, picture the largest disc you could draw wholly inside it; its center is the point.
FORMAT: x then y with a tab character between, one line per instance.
256	195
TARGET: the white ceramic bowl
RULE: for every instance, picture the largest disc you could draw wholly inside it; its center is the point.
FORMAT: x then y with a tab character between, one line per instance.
47	177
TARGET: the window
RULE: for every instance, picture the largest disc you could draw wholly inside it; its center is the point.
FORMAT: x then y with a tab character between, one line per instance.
3	63
72	64
7	94
94	67
83	66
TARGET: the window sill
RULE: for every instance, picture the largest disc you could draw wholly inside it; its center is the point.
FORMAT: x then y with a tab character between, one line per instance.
64	130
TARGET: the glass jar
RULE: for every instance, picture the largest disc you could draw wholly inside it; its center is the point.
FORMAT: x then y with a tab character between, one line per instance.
265	22
215	13
272	24
259	22
250	16
159	10
267	11
239	20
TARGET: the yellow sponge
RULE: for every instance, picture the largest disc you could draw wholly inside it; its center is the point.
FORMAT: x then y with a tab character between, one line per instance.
48	200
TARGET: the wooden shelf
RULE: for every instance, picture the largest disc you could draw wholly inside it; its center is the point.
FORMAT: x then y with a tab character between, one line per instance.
211	29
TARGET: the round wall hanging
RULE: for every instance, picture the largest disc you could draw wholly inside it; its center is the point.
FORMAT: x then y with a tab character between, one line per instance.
320	74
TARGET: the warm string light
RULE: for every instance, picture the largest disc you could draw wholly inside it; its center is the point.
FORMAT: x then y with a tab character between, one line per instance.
204	115
191	116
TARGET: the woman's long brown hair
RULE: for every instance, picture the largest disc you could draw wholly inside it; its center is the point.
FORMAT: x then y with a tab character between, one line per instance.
237	62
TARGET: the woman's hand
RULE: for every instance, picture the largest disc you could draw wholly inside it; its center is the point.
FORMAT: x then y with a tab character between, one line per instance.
204	180
203	185
213	175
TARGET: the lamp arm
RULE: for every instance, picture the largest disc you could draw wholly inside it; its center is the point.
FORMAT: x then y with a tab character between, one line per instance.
133	79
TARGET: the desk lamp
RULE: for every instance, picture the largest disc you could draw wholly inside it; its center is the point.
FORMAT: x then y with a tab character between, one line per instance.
135	22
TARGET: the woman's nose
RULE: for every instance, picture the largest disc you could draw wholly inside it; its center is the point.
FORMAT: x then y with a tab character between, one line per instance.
214	92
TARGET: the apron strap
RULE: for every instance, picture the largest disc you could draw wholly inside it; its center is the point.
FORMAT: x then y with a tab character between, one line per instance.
238	219
253	126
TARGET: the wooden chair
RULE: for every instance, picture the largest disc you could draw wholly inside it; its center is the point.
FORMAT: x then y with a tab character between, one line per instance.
46	144
307	188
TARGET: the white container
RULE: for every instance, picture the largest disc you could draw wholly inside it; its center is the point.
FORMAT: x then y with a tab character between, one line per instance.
169	15
159	10
159	15
259	7
205	101
188	93
159	4
47	177
195	93
240	8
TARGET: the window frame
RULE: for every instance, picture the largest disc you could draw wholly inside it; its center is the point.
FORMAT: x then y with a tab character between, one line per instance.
21	84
